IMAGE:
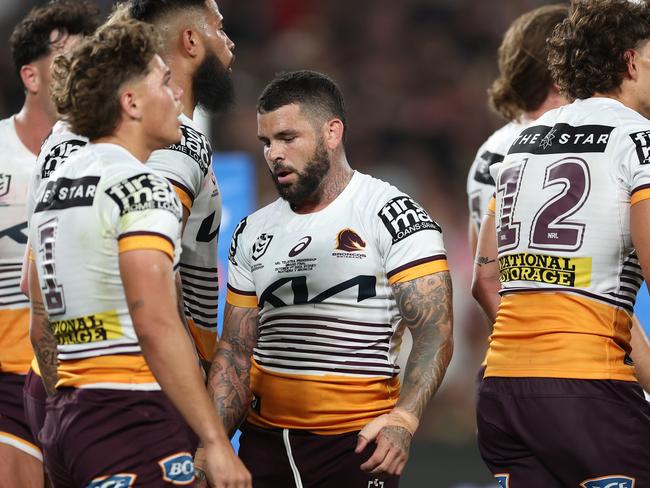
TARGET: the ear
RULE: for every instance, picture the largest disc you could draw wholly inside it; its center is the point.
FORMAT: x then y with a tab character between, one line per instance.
130	104
30	77
334	133
630	59
191	43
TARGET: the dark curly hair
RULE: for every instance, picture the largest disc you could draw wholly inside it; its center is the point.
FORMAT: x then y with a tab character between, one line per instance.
315	91
30	39
587	52
86	83
524	78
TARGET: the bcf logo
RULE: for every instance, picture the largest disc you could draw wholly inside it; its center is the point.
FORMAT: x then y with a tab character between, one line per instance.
178	469
116	481
609	482
376	483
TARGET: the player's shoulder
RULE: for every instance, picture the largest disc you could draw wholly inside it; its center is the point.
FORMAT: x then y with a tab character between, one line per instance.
491	152
273	212
194	145
57	148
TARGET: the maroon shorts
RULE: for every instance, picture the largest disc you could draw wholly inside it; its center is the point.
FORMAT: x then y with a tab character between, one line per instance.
95	438
278	457
550	432
34	398
14	429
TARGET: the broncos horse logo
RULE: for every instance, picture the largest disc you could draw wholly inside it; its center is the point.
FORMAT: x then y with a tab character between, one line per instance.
348	240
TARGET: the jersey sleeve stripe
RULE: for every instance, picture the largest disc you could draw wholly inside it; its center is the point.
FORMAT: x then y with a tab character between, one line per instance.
639	194
418	268
240	299
185	199
492	205
146	240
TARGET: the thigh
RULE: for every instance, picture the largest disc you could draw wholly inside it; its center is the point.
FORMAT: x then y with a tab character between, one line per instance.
34	398
590	433
14	430
20	469
330	461
504	450
116	438
264	454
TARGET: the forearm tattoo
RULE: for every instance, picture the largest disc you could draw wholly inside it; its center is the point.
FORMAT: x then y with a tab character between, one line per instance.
45	347
426	308
229	380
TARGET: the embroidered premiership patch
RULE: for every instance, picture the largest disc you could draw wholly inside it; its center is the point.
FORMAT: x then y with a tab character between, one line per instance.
615	481
122	480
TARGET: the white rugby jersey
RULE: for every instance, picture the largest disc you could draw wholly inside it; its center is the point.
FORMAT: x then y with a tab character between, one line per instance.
480	185
102	202
329	325
188	166
16	167
568	270
56	149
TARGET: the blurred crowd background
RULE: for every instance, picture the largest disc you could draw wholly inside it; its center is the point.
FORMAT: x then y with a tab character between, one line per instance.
414	74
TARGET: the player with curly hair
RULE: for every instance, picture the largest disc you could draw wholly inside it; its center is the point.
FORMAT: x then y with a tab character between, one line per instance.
45	32
560	404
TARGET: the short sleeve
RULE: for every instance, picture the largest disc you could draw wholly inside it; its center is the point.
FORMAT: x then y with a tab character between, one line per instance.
636	153
149	214
410	239
241	288
185	165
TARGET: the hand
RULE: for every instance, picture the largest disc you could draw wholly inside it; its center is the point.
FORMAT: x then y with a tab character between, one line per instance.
222	467
393	433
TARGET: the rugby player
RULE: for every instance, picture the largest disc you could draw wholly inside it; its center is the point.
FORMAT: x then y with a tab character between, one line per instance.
560	404
45	32
200	55
106	235
321	286
523	91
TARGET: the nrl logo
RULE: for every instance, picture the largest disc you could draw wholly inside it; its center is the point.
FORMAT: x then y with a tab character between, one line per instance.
5	183
261	245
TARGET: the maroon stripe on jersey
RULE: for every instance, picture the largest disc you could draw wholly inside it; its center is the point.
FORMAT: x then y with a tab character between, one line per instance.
213	306
639	188
240	292
324	327
269	350
199	268
200	287
142	233
181	186
193	311
285	340
11	268
204	324
331	369
322	318
209	279
417	262
194	294
283	334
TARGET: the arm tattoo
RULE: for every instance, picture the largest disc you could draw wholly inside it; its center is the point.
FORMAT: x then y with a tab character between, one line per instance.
44	344
229	381
481	260
426	308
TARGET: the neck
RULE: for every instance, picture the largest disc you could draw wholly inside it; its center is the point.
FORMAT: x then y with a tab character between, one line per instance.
626	97
331	187
183	79
138	149
553	100
33	124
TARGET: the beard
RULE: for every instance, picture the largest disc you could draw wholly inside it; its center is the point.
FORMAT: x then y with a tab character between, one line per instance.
308	180
212	85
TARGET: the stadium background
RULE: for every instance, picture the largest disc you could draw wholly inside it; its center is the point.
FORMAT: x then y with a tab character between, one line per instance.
414	74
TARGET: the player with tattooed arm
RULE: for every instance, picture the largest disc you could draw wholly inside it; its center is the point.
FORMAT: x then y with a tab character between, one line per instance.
321	285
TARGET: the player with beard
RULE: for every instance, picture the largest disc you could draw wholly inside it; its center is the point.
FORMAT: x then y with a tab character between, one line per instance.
45	32
321	285
200	55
